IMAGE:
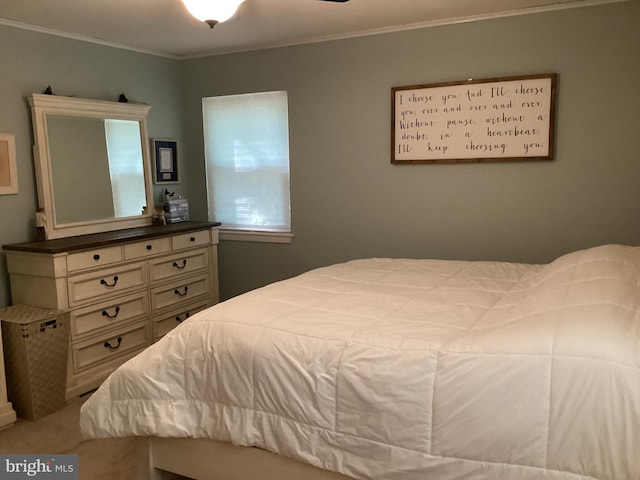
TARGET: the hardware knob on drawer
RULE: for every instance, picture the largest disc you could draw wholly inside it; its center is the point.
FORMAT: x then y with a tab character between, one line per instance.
111	347
182	294
107	284
96	257
180	267
114	315
149	247
192	239
179	319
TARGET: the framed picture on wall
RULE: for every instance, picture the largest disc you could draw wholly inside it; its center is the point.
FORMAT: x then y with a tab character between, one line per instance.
165	161
488	120
8	172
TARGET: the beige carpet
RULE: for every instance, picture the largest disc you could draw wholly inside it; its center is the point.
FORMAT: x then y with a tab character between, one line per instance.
59	433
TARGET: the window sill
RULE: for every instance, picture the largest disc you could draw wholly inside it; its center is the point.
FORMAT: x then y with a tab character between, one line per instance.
255	236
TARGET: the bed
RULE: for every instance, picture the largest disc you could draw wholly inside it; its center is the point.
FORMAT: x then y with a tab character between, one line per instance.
397	369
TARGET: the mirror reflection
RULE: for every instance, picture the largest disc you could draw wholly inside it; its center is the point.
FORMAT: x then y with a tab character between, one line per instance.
97	159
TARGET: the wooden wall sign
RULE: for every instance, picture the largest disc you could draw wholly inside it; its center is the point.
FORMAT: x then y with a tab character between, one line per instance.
498	119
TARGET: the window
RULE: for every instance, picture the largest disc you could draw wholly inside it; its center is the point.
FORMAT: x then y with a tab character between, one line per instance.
127	175
246	141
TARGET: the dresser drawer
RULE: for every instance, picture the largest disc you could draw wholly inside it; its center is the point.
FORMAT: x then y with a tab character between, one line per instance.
110	314
177	293
95	286
149	247
186	263
192	239
93	258
105	348
165	323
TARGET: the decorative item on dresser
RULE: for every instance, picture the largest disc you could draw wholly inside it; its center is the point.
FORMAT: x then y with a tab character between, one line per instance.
124	289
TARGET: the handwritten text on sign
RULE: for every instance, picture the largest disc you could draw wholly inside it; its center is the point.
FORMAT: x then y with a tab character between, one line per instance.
498	119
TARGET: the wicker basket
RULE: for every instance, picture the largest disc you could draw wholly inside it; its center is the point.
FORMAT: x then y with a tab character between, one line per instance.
36	345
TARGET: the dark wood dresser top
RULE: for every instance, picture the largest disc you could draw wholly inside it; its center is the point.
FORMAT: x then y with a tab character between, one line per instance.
83	242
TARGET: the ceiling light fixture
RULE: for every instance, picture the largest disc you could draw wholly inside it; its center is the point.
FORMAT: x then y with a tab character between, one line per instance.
212	12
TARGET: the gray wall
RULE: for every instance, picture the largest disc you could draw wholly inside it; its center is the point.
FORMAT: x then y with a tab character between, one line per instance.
31	61
348	201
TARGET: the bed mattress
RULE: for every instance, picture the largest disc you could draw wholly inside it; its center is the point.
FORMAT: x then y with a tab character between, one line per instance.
407	369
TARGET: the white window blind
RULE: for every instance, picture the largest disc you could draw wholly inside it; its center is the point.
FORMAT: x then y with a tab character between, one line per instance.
247	155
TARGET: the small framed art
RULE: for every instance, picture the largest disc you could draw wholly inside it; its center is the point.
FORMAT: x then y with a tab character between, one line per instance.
165	161
8	172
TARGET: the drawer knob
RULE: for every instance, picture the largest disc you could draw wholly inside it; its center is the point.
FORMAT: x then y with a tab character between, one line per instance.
108	315
107	284
181	294
96	257
111	347
149	247
192	239
180	320
180	267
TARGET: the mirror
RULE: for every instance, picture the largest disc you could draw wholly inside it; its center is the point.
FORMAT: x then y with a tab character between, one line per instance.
92	164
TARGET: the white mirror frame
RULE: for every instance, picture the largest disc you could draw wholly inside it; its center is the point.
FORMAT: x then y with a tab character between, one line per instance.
43	105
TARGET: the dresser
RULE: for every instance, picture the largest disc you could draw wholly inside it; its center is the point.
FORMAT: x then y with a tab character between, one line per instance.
123	289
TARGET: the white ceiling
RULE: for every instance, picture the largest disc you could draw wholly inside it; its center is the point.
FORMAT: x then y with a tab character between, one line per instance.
164	27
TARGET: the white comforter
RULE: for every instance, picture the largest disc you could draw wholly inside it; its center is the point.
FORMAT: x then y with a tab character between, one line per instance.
408	369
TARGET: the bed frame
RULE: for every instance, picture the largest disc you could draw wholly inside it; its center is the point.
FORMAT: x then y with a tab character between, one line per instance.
202	459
